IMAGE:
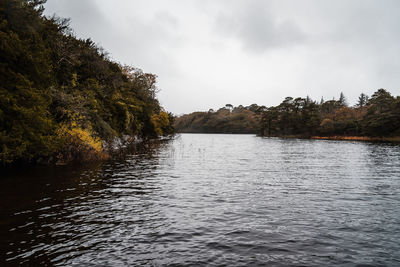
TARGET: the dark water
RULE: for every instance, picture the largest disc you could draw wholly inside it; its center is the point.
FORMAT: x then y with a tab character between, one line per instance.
235	200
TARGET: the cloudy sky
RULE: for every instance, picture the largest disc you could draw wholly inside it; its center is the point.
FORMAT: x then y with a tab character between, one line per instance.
207	53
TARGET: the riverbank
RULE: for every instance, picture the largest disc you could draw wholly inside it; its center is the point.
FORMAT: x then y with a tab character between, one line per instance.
78	153
342	138
358	138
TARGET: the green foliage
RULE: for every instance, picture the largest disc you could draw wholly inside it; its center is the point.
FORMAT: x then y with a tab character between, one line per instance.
362	100
383	116
377	116
291	117
49	78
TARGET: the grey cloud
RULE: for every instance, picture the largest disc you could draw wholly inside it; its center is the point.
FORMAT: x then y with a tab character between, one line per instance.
258	29
166	18
87	19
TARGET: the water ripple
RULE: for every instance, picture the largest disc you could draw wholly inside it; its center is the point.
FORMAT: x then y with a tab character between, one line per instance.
215	200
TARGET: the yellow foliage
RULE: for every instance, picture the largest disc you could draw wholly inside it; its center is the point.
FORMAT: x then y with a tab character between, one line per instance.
160	121
72	131
74	80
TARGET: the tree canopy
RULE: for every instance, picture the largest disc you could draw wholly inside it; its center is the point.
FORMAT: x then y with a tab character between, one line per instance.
375	116
228	119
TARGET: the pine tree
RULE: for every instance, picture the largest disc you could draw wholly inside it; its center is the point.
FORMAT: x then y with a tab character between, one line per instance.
362	100
342	99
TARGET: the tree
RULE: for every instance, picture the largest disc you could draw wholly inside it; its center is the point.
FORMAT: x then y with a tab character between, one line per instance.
308	100
381	118
240	120
253	107
269	121
381	101
329	107
327	126
362	100
342	99
229	107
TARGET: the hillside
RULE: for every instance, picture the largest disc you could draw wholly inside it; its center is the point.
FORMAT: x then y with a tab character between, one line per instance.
62	98
228	119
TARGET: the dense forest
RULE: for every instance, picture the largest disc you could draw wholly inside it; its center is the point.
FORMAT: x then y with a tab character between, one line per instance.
375	116
228	119
62	98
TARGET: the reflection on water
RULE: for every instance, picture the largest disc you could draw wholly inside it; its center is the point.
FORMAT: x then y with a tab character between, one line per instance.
210	200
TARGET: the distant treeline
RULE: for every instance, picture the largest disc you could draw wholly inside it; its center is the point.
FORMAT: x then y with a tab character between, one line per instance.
62	98
228	119
378	115
374	116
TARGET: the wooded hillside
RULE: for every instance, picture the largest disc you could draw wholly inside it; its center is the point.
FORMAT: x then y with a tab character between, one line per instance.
62	98
228	119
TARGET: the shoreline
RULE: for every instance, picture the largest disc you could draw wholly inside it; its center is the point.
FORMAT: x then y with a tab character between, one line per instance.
358	138
394	139
112	150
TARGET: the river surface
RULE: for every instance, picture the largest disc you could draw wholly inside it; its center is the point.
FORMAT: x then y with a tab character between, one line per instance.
210	200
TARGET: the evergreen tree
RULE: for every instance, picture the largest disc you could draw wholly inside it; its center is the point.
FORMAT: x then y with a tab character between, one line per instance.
342	99
362	100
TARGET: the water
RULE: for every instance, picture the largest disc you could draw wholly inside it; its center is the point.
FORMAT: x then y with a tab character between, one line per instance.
235	200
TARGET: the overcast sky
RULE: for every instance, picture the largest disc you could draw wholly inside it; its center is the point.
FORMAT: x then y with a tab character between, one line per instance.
208	53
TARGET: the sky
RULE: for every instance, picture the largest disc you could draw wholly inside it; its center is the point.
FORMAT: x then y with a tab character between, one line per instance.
208	53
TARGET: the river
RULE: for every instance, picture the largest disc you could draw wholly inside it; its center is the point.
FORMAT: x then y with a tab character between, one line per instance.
210	200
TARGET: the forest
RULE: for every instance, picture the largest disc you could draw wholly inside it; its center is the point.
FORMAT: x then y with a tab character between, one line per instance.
228	119
374	116
61	98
